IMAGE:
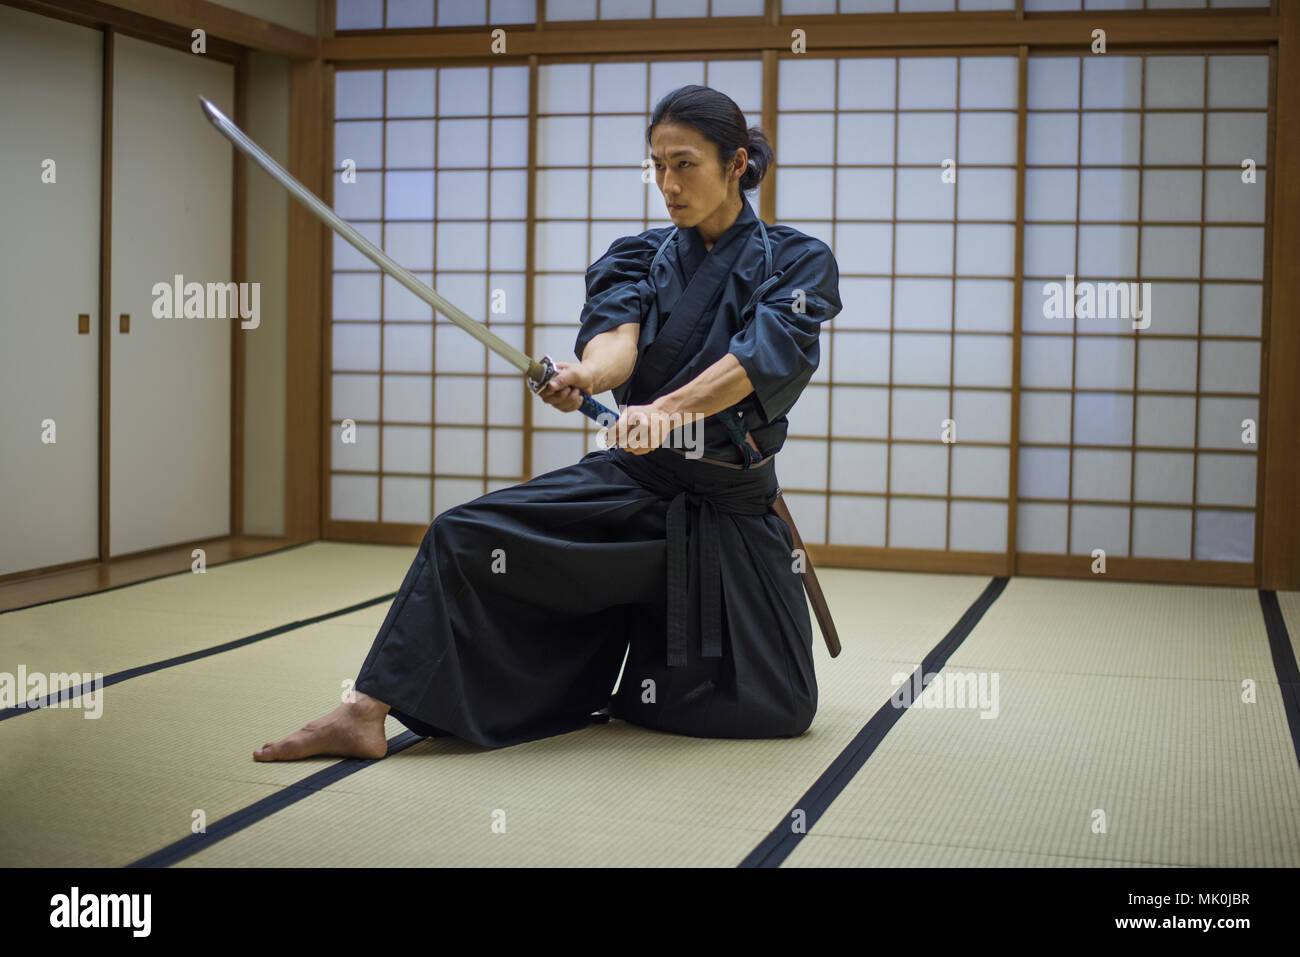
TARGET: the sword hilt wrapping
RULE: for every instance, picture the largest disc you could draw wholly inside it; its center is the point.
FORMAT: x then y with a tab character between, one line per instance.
542	373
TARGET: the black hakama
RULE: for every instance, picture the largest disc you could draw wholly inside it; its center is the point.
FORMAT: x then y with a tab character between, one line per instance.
515	616
645	554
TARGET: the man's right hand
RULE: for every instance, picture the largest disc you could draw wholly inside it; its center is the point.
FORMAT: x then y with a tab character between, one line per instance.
561	390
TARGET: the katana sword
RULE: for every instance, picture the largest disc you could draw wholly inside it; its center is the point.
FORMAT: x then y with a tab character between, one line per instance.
536	372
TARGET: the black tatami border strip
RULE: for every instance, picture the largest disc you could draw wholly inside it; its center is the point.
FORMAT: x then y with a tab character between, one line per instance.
192	844
66	694
145	581
1284	663
783	839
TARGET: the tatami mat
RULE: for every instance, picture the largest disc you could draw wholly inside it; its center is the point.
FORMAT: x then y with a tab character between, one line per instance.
159	619
1118	704
1289	602
180	739
1118	698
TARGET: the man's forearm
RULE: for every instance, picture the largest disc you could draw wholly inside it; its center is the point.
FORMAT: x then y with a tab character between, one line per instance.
611	356
718	387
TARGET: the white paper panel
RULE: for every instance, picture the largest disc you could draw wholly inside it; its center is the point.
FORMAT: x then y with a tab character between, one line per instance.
356	295
553	449
406	448
1171	195
1110	139
1228	199
1232	310
1044	473
358	94
860	356
1103	418
1163	477
923	249
458	451
1234	252
987	194
1166	420
362	199
355	397
927	139
1108	253
1171	252
919	413
859	466
989	83
1103	362
407	399
984	304
980	470
1233	137
917	523
1168	366
927	83
1162	533
869	194
918	469
803	464
855	520
1225	480
1041	528
460	400
865	138
1046	361
1172	139
1112	82
1051	139
1173	309
359	455
921	359
505	449
356	347
988	138
983	360
1239	81
982	416
864	247
408	348
811	413
354	498
1101	474
406	499
866	83
1045	417
859	412
1224	536
985	249
411	93
1099	526
923	304
977	527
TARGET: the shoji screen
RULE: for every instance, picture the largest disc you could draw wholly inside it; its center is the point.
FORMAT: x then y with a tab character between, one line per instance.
440	159
1137	440
591	125
903	438
405	14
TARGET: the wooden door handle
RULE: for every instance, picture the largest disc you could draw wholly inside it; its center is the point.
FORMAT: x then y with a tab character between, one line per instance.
124	323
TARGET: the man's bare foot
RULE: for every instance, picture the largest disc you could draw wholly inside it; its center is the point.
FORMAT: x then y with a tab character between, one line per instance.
352	730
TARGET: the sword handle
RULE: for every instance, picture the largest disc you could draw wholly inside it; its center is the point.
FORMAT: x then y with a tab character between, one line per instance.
594	410
541	373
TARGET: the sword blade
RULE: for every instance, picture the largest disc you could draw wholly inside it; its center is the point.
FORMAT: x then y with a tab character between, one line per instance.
537	372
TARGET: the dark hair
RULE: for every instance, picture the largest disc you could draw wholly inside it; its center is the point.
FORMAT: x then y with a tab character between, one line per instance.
719	120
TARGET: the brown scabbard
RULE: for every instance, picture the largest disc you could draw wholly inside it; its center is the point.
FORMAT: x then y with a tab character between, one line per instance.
810	583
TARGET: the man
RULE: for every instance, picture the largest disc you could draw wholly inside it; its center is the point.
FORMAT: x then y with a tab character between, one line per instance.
514	617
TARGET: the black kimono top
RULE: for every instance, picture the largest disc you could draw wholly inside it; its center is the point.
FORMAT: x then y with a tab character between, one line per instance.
692	310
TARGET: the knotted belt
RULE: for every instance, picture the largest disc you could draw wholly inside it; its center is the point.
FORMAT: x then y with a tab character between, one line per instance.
699	494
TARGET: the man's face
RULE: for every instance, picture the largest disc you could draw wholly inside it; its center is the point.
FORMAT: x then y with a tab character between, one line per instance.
688	173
